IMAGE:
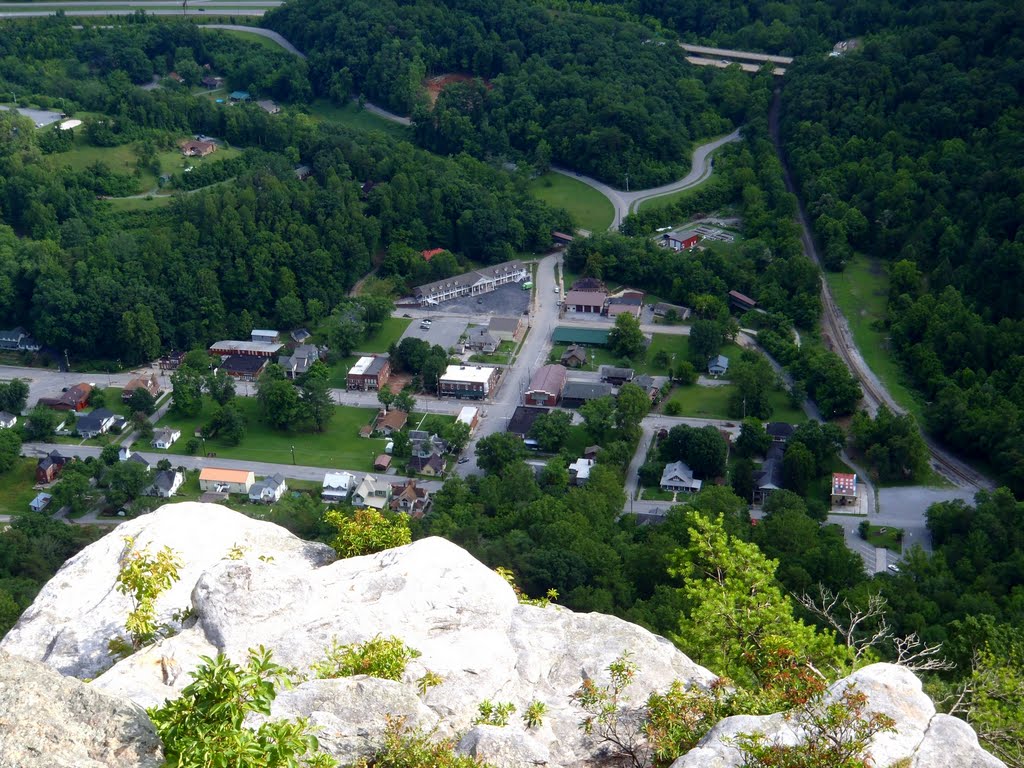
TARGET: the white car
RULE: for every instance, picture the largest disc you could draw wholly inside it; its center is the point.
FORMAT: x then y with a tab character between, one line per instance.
556	289
894	568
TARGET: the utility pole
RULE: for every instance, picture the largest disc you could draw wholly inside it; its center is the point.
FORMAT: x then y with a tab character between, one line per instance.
627	182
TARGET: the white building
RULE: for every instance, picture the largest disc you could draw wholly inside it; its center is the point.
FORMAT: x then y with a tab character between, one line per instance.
264	336
165	438
483	280
472	381
469	416
579	471
337	486
166	484
679	477
372	493
268	490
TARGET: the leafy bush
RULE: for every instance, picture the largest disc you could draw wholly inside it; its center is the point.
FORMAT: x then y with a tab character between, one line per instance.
383	657
204	726
143	578
405	748
367	531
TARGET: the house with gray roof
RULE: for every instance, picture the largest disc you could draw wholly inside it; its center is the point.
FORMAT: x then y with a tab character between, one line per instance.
268	490
718	365
576	393
166	483
481	340
95	423
678	477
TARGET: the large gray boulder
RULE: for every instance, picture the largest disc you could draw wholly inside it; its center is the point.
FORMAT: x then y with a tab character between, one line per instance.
51	721
927	739
288	596
79	610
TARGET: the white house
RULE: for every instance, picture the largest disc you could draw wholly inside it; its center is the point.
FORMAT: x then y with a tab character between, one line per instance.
679	477
7	420
268	490
579	471
165	438
372	493
166	484
337	486
97	422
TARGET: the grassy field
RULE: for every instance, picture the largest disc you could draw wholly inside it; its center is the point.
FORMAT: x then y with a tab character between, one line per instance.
887	537
250	37
122	159
713	403
354	116
588	207
501	356
389	333
16	489
671	343
673	197
861	292
430	422
654	493
339	446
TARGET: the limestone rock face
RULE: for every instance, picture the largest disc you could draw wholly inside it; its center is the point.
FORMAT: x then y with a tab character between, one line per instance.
290	597
50	721
249	583
928	739
79	610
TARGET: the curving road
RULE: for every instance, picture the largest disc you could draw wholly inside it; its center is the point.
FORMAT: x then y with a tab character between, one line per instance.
267	33
628	202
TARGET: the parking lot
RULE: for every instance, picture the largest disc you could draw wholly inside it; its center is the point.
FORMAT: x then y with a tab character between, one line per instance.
41	117
507	300
443	330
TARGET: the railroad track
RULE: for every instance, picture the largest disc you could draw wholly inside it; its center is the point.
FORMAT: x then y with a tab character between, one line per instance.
838	336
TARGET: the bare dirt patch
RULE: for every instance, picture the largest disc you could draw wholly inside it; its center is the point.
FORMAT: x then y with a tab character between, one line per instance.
436	84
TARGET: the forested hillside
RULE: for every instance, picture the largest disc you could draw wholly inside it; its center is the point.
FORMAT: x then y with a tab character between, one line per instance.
912	150
266	249
598	95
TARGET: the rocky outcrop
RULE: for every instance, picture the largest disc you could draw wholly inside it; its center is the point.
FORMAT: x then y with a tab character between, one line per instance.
51	721
250	583
926	739
288	596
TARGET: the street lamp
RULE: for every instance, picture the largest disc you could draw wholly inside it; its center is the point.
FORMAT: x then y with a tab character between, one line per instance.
293	454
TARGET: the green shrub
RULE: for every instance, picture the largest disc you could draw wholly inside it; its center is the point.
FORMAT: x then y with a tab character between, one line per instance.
203	727
494	713
383	657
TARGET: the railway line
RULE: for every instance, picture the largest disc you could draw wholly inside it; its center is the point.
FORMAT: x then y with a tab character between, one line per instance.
837	333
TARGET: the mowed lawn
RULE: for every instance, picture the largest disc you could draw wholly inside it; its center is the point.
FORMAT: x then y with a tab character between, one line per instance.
389	333
861	291
588	207
16	489
354	116
670	343
339	446
123	158
713	403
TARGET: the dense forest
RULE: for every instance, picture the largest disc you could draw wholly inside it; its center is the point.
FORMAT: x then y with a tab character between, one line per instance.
267	249
598	95
910	150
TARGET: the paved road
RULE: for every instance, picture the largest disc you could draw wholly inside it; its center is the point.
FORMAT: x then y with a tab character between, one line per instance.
627	202
267	33
733	54
261	468
532	355
69	9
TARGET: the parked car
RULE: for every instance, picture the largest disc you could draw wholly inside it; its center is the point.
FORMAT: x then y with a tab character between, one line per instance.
463	459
